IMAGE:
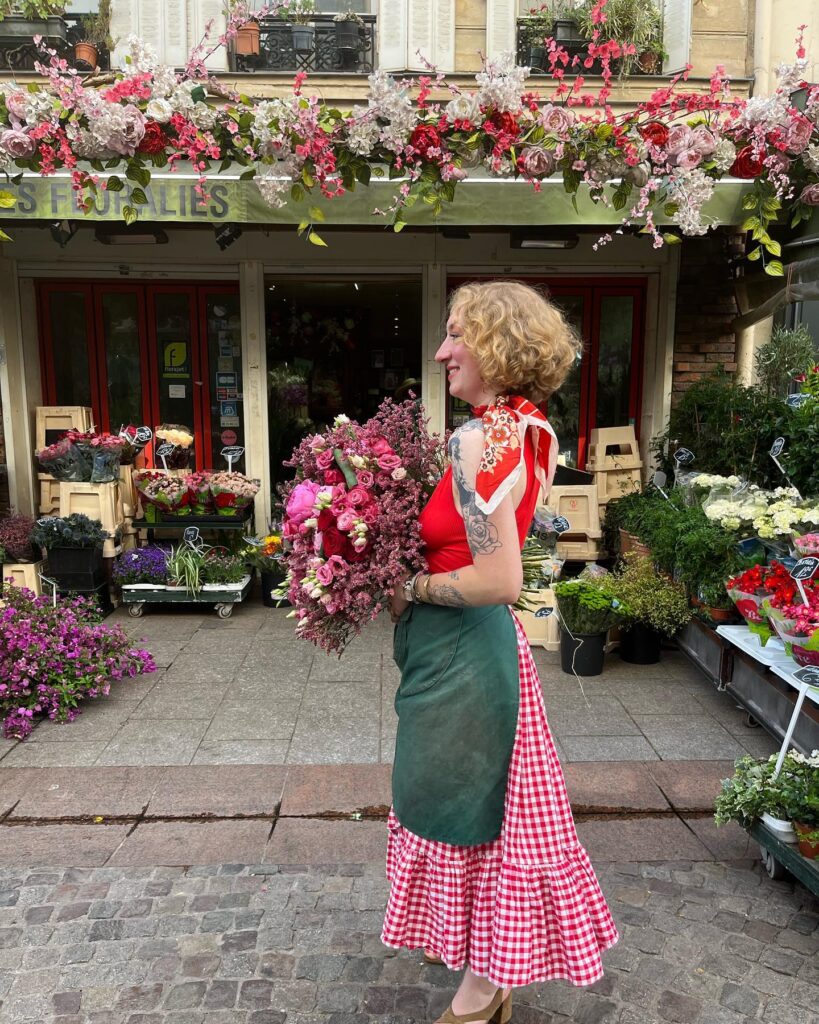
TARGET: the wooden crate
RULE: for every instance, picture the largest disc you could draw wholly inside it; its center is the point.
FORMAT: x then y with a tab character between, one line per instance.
127	491
541	625
579	504
49	495
614	483
613	448
97	501
24	574
578	549
53	418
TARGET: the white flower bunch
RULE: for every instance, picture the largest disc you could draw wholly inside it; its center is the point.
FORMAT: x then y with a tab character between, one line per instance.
501	84
690	190
708	480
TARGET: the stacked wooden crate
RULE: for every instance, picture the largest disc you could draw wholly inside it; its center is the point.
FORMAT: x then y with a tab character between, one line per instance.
52	421
540	620
577	503
614	459
97	501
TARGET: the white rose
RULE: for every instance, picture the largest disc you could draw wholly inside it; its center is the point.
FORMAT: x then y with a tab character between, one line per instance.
159	110
463	107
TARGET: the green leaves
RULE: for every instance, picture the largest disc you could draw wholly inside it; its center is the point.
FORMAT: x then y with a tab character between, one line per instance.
135	172
129	215
115	184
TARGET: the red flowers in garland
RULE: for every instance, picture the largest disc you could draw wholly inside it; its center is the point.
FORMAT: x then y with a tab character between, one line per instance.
154	140
424	139
655	133
747	164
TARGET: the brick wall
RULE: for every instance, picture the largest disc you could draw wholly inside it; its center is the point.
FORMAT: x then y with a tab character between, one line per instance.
705	308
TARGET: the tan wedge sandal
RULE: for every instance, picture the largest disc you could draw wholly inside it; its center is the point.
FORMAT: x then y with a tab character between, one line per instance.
499	1011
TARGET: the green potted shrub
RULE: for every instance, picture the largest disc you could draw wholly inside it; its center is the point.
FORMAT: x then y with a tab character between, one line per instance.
657	608
638	22
185	569
754	794
224	572
74	546
20	20
348	26
588	608
300	15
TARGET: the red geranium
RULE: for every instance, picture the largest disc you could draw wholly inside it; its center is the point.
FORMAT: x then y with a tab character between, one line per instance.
153	141
655	133
424	138
747	164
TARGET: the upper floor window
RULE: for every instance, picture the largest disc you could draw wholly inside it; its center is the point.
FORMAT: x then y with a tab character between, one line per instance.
411	32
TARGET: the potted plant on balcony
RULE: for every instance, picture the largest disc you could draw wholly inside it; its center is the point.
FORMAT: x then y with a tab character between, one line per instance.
22	19
300	15
74	546
348	29
638	22
96	35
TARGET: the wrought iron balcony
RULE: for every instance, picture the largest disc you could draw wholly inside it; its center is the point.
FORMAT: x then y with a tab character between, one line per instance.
531	51
323	46
19	53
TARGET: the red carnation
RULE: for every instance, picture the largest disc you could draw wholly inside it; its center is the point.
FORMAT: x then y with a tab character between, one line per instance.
747	164
655	133
153	141
424	138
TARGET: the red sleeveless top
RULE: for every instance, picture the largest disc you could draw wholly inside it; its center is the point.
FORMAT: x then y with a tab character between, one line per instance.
442	527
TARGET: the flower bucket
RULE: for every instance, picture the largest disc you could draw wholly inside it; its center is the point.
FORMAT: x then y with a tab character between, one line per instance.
782	829
582	653
803	649
640	645
750	607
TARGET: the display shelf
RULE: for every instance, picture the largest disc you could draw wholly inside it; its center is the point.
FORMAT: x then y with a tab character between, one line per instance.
214	522
779	857
773	653
222	600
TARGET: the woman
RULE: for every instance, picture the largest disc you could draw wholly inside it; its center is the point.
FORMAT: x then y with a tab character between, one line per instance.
485	867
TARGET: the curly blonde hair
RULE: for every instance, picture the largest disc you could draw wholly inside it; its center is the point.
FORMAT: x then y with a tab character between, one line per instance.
522	342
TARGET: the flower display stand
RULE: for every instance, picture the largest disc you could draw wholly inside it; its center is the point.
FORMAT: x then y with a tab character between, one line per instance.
708	650
222	600
24	574
49	495
578	504
97	501
613	448
52	421
540	624
779	857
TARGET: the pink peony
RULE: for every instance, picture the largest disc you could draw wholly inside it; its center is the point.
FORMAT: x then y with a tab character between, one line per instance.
556	119
810	195
17	144
688	159
536	162
679	139
388	462
301	501
702	139
16	105
798	135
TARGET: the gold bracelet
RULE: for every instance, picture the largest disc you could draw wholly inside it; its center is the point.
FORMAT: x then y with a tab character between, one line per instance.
416	599
426	588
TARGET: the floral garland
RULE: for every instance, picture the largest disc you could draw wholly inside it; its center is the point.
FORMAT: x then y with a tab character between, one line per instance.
666	154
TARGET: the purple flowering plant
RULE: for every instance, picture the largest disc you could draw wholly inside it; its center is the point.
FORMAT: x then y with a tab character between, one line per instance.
15	537
142	565
51	658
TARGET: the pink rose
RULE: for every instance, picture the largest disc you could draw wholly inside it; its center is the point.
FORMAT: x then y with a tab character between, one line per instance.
365	478
798	134
17	144
679	139
388	462
810	195
703	140
333	476
324	575
536	162
383	479
338	566
325	459
381	447
16	105
370	515
398	474
688	159
301	501
556	119
346	521
358	497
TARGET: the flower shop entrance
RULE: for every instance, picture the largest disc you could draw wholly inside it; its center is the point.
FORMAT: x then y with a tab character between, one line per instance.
605	389
337	344
146	353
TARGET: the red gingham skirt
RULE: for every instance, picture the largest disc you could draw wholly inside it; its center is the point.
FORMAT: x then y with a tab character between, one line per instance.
524	908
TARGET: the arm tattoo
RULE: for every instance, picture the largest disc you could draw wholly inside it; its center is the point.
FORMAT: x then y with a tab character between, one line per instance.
481	535
444	593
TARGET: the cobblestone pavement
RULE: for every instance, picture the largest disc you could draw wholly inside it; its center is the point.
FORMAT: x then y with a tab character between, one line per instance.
702	943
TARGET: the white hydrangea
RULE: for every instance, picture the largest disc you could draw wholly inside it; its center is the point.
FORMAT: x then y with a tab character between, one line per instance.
715	480
811	156
690	190
362	131
273	186
203	115
501	84
724	155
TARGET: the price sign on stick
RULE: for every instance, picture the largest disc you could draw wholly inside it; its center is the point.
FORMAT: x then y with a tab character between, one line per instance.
804	569
543	613
776	450
144	434
192	538
45	520
232	453
560	524
163	451
683	457
659	480
809	675
794	401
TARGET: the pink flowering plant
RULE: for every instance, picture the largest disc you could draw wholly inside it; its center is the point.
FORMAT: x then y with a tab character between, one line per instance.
797	624
351	518
53	658
654	165
232	492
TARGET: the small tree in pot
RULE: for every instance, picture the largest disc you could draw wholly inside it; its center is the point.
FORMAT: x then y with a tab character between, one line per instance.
74	545
96	36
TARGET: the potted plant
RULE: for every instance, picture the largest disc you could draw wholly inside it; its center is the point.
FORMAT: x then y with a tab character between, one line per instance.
224	572
638	22
588	609
22	19
754	794
16	532
185	567
806	817
348	29
74	545
96	35
657	608
264	554
141	569
300	15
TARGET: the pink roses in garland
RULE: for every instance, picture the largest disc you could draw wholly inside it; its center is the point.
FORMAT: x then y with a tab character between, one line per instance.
351	518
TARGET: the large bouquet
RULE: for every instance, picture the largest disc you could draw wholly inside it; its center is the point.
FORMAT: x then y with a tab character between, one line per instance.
351	523
199	491
753	590
232	492
797	623
169	494
63	460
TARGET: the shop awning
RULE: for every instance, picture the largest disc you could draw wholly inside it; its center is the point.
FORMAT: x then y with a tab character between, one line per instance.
478	201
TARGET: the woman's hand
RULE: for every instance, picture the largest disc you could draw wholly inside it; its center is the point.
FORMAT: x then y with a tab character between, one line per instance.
398	604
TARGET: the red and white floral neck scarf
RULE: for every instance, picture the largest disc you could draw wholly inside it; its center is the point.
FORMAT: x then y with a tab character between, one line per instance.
504	428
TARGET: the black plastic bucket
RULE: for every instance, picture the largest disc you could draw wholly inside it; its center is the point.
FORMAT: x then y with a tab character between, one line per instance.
640	645
582	653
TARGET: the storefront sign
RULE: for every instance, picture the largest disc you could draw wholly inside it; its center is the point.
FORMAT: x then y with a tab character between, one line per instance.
229	408
176	391
175	360
229	437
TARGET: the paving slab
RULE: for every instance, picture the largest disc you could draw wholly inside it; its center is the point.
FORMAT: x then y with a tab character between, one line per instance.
72	845
726	842
340	739
232	722
14	782
688	737
312	790
641	839
607	748
180	843
299	841
223	791
690	785
87	793
599	787
269	752
32	754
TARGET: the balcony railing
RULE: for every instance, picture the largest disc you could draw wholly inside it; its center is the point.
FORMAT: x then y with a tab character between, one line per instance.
18	53
326	47
533	54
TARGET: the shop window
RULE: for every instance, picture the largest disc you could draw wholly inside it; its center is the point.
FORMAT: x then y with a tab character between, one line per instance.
407	27
336	346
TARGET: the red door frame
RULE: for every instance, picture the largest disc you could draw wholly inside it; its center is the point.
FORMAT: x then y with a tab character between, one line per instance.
146	292
593	291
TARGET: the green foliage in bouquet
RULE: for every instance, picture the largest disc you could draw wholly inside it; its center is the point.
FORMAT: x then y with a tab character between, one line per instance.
652	599
588	606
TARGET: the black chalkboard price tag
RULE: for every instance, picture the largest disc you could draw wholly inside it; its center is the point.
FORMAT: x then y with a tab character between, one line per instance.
144	434
543	613
797	400
560	524
684	456
809	675
233	452
191	537
805	568
777	448
659	480
45	520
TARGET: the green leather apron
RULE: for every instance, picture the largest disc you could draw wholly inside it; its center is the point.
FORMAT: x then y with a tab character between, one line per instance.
457	708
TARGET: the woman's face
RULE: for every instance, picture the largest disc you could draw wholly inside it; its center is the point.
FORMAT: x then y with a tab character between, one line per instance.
463	374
